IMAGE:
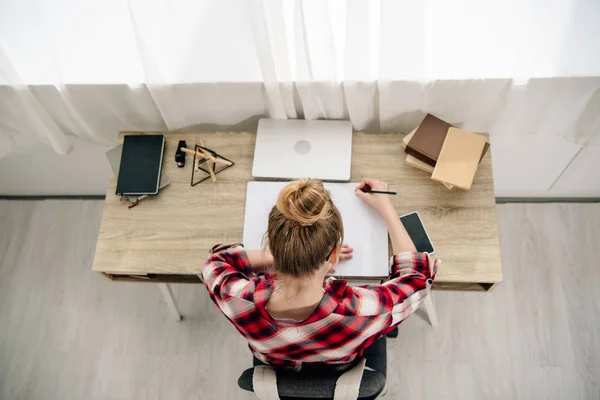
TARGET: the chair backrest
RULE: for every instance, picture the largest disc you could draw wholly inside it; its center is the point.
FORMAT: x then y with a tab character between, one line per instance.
321	383
295	385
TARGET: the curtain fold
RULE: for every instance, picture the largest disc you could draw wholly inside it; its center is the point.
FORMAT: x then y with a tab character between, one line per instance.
22	115
91	69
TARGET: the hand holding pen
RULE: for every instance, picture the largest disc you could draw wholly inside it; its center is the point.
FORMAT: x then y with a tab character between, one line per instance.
372	192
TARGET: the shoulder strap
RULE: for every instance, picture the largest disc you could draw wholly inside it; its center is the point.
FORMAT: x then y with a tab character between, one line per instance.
264	383
348	384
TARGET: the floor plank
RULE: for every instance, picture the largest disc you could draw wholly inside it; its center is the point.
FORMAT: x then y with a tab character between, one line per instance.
67	333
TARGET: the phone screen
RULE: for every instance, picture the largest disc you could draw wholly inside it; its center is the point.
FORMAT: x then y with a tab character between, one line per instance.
413	225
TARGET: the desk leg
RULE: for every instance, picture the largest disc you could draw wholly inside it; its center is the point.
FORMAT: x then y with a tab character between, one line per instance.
430	309
165	289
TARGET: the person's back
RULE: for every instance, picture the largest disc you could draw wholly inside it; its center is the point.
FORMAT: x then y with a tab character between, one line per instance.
283	304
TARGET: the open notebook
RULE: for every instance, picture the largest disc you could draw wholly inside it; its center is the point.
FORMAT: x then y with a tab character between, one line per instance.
364	229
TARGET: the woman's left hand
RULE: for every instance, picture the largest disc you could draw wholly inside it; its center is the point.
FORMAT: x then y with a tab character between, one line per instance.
346	254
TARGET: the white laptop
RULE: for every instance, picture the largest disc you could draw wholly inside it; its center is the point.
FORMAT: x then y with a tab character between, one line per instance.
364	229
289	149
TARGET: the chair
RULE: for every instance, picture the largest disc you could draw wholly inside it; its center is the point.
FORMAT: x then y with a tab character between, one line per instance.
319	382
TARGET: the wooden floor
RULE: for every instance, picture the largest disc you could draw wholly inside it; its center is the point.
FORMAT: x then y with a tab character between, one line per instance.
66	333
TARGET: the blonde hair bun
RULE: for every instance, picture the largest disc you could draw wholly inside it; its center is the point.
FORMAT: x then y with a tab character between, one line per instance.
305	201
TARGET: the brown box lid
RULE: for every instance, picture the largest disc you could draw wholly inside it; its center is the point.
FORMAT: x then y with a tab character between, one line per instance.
428	140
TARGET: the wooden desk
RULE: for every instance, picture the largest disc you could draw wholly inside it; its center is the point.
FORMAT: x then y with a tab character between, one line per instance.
166	238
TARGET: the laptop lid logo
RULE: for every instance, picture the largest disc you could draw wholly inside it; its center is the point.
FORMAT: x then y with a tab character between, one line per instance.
302	147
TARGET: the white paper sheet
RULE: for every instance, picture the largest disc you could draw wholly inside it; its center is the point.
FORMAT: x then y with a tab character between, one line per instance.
364	229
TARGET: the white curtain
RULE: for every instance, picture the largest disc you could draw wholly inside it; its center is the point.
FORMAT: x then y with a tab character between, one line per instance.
91	68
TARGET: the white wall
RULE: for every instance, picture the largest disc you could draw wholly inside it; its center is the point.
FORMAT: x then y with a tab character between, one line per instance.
36	169
522	168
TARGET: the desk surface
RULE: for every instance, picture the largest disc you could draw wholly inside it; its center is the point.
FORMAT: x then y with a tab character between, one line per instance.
172	232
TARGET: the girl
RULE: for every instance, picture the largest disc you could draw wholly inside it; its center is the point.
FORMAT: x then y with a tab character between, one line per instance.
294	315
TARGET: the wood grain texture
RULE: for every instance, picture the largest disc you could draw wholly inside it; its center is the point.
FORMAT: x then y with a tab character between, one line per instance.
172	232
67	333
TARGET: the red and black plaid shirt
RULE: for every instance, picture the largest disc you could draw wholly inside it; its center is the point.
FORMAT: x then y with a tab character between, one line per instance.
346	322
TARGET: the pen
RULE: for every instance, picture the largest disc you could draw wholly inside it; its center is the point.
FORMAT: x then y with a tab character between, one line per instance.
137	201
377	191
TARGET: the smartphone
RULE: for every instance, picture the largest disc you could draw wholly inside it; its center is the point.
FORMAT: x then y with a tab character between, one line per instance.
416	230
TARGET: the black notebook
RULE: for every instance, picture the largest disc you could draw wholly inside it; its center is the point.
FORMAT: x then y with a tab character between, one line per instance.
141	163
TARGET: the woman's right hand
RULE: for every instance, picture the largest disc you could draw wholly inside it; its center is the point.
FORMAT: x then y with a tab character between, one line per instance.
381	202
401	241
